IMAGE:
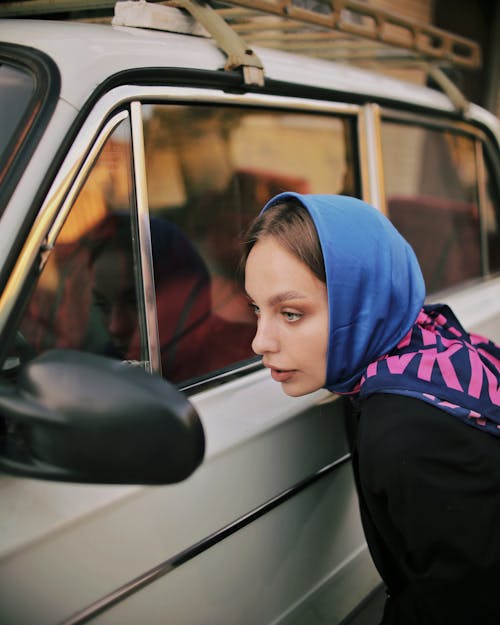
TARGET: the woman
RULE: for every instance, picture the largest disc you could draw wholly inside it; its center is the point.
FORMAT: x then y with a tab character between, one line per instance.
339	298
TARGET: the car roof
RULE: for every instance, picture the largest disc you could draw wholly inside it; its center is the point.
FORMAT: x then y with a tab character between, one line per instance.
87	54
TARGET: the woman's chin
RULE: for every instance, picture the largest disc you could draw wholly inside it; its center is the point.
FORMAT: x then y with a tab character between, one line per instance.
297	389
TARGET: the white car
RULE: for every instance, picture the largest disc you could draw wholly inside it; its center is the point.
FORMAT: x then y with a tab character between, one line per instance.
130	163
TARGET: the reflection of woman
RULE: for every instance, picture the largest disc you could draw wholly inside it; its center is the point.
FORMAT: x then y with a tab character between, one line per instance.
339	296
193	341
181	280
114	285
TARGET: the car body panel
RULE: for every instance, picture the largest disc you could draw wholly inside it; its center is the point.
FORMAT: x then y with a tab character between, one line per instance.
107	537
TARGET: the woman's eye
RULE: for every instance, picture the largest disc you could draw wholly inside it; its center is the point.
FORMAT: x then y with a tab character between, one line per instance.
291	316
255	309
102	303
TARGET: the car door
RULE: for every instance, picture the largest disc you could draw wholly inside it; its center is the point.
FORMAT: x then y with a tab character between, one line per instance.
140	236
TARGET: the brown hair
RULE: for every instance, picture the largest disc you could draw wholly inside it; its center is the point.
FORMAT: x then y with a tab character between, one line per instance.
291	225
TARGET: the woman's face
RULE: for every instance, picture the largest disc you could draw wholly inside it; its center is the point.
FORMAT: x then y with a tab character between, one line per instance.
114	294
291	305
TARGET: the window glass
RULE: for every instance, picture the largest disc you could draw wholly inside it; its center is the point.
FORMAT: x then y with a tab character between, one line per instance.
209	171
492	216
431	190
16	89
86	295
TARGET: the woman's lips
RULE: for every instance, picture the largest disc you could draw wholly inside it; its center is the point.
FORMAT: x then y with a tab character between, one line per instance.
281	375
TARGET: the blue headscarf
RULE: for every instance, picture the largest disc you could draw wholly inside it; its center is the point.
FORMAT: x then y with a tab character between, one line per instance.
381	336
375	286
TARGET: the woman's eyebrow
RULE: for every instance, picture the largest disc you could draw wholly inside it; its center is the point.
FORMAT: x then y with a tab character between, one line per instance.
280	297
284	297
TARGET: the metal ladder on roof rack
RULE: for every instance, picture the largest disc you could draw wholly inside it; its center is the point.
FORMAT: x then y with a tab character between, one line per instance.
286	24
321	28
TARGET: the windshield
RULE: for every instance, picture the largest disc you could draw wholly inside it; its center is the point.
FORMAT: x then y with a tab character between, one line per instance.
29	89
16	90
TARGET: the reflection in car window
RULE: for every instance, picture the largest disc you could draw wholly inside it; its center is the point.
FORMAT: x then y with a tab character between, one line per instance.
16	89
209	171
431	190
86	296
492	216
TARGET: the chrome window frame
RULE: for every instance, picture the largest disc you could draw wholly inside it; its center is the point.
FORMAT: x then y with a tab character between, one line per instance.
150	321
371	162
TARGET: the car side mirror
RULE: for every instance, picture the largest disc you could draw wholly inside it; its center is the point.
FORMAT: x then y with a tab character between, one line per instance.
79	417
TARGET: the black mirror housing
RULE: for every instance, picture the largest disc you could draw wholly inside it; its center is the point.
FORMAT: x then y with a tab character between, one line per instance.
74	416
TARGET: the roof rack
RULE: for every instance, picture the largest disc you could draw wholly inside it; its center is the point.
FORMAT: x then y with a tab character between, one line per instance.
347	30
329	22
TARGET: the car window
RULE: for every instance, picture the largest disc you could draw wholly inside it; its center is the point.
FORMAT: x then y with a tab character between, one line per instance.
86	297
16	89
209	171
492	215
432	198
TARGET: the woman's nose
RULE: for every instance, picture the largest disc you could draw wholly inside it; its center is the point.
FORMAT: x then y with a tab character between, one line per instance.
265	340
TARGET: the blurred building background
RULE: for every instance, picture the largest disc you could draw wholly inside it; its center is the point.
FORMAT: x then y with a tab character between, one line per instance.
478	20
